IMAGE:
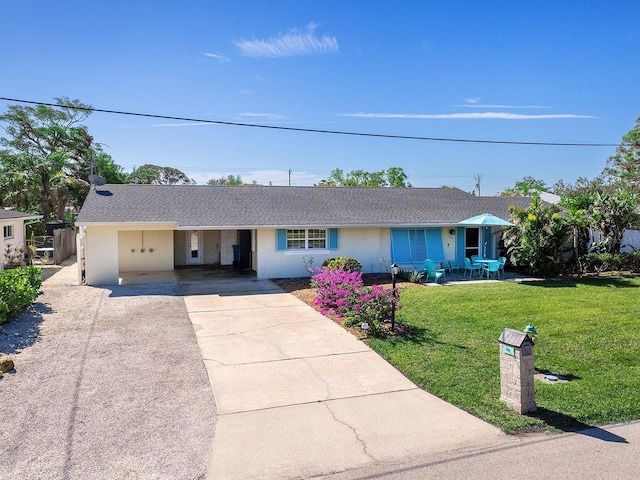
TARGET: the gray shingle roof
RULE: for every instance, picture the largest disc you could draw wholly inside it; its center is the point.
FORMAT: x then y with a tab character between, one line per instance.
12	214
257	206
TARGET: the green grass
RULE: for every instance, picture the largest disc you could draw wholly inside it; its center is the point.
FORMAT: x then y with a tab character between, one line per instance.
588	331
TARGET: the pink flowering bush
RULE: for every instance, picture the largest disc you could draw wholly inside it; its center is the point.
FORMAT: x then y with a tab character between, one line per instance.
343	293
337	290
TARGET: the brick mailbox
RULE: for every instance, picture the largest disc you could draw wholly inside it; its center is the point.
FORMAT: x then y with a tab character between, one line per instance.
516	371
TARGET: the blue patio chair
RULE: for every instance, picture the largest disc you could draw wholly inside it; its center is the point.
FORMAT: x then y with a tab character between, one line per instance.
453	266
432	272
492	268
502	261
471	267
475	258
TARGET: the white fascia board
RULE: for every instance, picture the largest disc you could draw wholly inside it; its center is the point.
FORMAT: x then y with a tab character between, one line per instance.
125	224
331	225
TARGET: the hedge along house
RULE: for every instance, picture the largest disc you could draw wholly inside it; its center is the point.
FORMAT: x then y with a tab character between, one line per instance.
275	230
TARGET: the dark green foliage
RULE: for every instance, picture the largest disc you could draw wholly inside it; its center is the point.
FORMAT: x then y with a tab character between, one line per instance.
42	144
19	288
625	164
149	174
610	215
607	262
392	177
229	180
348	264
537	241
526	187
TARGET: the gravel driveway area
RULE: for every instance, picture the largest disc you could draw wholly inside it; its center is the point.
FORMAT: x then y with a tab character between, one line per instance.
108	383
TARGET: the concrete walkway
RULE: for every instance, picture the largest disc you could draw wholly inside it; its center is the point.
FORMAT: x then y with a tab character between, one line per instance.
299	397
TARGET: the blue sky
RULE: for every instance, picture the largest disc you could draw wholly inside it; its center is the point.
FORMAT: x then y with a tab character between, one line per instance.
544	71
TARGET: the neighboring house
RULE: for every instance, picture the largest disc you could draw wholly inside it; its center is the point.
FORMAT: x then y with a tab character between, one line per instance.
13	225
275	230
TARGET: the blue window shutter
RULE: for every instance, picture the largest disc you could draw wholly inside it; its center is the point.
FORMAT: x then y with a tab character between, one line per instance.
281	239
434	244
400	248
333	239
418	246
460	245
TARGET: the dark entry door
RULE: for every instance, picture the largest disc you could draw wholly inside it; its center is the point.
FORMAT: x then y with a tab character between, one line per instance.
244	241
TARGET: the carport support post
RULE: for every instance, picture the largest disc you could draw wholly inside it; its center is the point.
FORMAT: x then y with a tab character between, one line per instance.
516	371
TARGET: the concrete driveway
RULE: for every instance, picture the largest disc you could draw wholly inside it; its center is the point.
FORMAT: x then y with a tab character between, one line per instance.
298	396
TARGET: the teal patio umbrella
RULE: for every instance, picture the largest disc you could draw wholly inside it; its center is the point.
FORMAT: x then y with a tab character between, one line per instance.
485	220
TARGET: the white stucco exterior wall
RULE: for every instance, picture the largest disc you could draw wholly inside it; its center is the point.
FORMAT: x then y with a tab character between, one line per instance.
145	250
101	256
366	245
17	239
14	241
228	238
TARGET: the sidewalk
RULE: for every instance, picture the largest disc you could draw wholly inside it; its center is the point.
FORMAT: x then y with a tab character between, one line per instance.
298	396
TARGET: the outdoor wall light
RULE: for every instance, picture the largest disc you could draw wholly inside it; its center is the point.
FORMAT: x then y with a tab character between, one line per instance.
452	232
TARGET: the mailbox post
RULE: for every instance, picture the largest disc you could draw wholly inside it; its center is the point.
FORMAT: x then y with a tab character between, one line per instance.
516	371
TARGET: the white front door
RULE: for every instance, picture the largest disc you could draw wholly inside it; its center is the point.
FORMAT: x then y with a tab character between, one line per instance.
194	247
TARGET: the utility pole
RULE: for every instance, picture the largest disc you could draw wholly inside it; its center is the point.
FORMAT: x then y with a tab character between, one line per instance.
478	178
289	177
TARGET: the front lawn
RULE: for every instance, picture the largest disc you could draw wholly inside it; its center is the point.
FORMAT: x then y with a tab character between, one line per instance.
588	331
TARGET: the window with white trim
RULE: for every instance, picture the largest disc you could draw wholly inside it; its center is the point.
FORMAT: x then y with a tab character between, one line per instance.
8	231
306	238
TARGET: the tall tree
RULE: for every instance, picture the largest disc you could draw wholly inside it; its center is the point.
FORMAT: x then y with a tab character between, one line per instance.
41	144
526	187
228	180
155	175
625	164
392	177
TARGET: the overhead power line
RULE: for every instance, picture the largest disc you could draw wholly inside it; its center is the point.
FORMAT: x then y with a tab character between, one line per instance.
312	130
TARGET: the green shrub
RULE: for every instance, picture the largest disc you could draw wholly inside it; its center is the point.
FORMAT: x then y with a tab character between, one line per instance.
412	276
19	288
348	264
607	262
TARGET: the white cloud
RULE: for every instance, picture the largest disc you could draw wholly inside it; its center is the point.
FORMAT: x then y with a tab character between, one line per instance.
270	116
474	103
294	43
220	58
480	105
473	115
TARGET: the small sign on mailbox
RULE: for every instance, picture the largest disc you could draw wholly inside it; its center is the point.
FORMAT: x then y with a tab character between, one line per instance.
509	350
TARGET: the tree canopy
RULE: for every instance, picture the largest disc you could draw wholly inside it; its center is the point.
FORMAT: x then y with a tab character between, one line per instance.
228	180
392	177
624	166
156	175
526	187
44	164
537	239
